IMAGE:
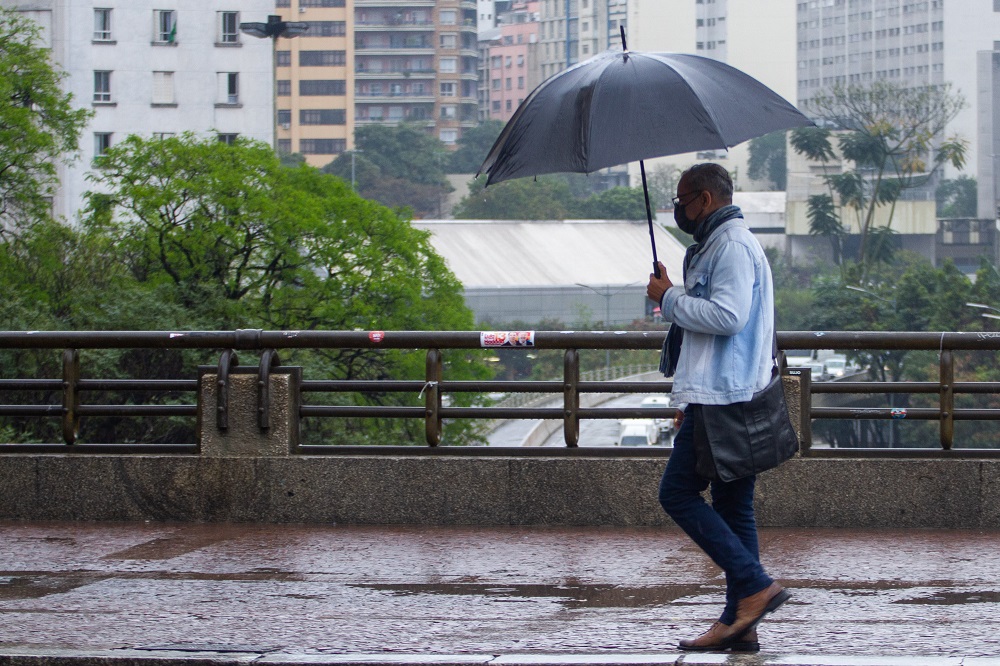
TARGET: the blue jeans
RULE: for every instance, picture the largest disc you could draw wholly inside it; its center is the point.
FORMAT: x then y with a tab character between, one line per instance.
726	531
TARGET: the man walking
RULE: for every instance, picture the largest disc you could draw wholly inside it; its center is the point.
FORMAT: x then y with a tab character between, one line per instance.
719	352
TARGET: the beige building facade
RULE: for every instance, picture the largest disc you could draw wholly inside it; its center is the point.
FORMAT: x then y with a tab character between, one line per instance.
374	62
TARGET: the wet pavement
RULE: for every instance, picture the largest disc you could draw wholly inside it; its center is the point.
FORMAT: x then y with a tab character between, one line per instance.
436	595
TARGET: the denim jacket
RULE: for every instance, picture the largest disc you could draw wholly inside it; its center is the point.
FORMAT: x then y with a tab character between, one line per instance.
726	308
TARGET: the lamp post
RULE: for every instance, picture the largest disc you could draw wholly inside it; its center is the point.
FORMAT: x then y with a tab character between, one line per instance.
983	306
273	29
607	294
354	150
890	396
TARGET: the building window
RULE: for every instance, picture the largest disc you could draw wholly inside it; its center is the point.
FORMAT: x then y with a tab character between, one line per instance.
322	58
281	4
229	88
285	118
163	88
448	136
228	139
323	87
449	41
495	84
448	112
448	89
102	141
496	105
160	136
520	83
283	58
102	86
284	145
284	88
102	25
447	17
508	105
229	27
164	26
448	65
322	117
320	3
322	146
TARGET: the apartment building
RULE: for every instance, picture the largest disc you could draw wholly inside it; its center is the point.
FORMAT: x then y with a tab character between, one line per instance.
912	43
314	81
509	66
156	69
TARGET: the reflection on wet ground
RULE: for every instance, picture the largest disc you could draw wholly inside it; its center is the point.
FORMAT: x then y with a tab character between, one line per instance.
430	590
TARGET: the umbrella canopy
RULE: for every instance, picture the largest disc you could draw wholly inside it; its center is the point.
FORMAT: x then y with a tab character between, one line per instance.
620	107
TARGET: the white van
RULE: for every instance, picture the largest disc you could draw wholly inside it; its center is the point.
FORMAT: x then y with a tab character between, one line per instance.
638	432
664	424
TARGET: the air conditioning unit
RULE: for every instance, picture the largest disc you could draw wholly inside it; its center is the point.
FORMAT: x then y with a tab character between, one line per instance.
302	10
286	126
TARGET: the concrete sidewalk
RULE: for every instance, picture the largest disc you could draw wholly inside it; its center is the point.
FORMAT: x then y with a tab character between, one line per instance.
125	593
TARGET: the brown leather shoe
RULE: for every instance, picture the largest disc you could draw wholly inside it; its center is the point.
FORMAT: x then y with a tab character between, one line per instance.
720	637
751	610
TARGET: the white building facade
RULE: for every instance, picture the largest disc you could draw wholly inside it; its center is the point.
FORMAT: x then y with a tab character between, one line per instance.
156	69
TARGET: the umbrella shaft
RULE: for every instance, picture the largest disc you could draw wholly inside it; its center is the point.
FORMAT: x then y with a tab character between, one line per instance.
649	218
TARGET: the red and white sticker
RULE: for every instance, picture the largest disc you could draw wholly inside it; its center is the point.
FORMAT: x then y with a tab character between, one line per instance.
507	339
376	336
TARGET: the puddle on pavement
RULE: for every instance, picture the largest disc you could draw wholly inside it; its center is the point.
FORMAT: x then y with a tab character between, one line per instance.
166	548
954	598
572	595
38	586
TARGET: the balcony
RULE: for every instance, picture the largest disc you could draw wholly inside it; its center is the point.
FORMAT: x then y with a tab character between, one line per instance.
393	98
396	4
397	74
393	25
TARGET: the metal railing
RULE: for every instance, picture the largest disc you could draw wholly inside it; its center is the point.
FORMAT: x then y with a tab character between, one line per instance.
434	386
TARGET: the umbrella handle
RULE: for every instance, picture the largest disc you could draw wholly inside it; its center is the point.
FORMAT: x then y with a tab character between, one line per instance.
649	219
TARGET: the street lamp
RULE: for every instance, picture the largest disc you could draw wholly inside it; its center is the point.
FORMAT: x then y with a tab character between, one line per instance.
355	150
983	306
607	294
273	29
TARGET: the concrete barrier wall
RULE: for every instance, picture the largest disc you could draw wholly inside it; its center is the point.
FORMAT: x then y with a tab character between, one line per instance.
480	491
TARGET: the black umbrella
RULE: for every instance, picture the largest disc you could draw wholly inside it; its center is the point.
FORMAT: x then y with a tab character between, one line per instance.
620	107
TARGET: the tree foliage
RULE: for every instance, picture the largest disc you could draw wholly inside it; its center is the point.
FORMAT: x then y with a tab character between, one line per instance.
188	233
400	167
957	197
547	198
768	160
38	124
891	138
473	146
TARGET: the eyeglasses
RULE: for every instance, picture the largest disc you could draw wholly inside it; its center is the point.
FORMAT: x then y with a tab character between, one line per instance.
677	200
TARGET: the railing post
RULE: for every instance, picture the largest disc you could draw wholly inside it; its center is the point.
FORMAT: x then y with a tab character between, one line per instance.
571	397
227	361
71	399
268	360
432	398
947	399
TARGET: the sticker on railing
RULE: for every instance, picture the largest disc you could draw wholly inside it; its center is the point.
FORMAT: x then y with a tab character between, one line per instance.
507	339
898	413
376	336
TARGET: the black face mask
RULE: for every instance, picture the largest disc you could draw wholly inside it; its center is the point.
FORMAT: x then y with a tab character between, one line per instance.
685	225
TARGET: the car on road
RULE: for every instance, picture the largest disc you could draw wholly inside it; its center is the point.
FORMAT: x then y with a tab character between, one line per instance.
664	424
638	432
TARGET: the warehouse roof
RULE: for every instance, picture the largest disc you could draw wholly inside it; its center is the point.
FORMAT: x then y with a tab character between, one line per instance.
505	253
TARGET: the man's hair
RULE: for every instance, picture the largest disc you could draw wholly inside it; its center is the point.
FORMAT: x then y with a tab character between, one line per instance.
711	177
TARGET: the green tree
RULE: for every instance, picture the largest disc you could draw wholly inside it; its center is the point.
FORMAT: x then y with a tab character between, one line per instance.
38	124
618	203
662	183
473	146
544	198
892	136
239	241
409	168
956	198
768	159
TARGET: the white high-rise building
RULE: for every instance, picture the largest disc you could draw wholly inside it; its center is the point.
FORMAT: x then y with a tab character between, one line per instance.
156	69
913	43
